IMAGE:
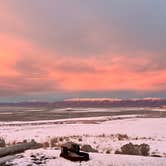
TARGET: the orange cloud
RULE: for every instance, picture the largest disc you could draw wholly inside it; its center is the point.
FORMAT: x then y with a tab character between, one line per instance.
26	68
84	60
116	76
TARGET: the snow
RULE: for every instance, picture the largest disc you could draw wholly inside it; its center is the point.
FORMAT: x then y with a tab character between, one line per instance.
112	99
94	99
145	127
135	127
6	113
68	120
114	160
102	135
96	159
159	109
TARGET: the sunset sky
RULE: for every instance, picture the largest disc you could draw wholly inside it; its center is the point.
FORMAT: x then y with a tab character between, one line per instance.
56	49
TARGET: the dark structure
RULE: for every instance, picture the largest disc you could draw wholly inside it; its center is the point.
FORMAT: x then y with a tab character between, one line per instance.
71	151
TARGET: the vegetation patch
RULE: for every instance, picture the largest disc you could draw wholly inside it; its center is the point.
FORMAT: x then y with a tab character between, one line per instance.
135	149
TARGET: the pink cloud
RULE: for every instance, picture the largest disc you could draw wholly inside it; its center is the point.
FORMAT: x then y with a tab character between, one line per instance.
26	66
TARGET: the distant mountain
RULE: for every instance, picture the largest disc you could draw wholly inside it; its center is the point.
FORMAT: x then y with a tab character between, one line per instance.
104	102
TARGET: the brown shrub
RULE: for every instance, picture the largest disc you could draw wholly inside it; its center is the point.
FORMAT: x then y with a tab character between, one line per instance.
24	141
131	149
118	152
80	139
2	142
61	139
108	151
67	139
122	137
88	148
53	142
45	145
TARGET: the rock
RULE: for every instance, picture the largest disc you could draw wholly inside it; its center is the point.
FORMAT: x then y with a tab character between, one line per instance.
71	151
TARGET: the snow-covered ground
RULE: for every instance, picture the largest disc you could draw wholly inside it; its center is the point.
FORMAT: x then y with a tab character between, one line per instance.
69	120
51	158
105	134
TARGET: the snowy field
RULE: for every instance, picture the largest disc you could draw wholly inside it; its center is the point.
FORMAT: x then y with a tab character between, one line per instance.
96	159
105	134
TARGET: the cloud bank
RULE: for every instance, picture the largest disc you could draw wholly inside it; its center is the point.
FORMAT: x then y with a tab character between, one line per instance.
82	46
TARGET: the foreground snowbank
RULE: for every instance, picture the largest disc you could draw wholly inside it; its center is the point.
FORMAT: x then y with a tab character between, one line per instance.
96	160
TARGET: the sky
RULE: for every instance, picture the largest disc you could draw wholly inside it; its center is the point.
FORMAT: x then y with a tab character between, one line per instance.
57	49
